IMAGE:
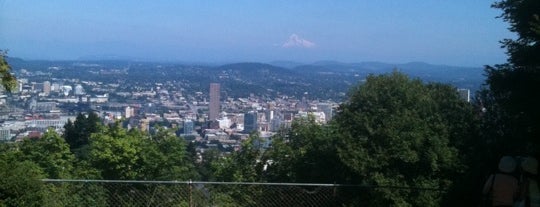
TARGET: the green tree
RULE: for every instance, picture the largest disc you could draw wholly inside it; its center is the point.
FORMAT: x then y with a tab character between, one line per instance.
307	152
523	16
165	157
120	154
23	165
134	155
510	116
77	133
512	112
51	153
241	166
7	80
299	154
20	183
116	153
400	132
204	166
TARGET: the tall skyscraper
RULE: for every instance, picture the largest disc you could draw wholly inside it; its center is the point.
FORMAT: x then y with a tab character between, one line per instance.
250	122
213	107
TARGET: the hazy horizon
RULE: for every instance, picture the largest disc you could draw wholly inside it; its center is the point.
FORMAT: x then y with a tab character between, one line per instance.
458	33
277	63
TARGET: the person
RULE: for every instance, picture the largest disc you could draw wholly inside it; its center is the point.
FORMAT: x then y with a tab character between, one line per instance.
503	186
531	193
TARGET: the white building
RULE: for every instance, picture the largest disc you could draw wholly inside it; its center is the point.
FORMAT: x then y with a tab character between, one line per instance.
319	116
224	123
130	111
79	90
57	124
465	94
66	90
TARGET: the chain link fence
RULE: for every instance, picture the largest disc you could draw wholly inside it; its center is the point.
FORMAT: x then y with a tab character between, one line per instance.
191	194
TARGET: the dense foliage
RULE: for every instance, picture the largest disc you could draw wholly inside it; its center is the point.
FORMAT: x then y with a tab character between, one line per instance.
7	80
508	109
113	153
511	111
298	154
400	132
77	133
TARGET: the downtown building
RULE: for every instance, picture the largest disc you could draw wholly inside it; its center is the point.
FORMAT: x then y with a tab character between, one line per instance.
214	106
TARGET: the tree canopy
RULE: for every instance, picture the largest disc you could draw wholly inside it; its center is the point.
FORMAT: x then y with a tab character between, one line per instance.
397	131
299	153
511	108
7	80
523	17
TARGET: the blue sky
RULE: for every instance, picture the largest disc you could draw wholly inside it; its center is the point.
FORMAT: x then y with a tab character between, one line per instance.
458	32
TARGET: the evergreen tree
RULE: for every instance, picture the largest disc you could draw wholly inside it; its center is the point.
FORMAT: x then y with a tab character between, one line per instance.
77	133
512	115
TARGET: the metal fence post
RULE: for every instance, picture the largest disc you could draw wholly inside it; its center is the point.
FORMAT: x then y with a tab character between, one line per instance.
190	183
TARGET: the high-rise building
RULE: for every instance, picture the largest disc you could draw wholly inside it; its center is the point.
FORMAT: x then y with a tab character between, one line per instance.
47	87
326	108
55	87
188	127
250	122
465	94
269	115
130	111
5	135
275	124
214	106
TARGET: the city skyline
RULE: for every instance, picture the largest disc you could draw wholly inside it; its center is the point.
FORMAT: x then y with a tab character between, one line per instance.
462	33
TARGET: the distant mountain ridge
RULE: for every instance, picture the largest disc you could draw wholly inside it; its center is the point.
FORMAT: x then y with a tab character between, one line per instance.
333	66
466	77
324	79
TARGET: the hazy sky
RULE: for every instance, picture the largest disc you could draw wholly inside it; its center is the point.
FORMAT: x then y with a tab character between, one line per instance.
456	32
